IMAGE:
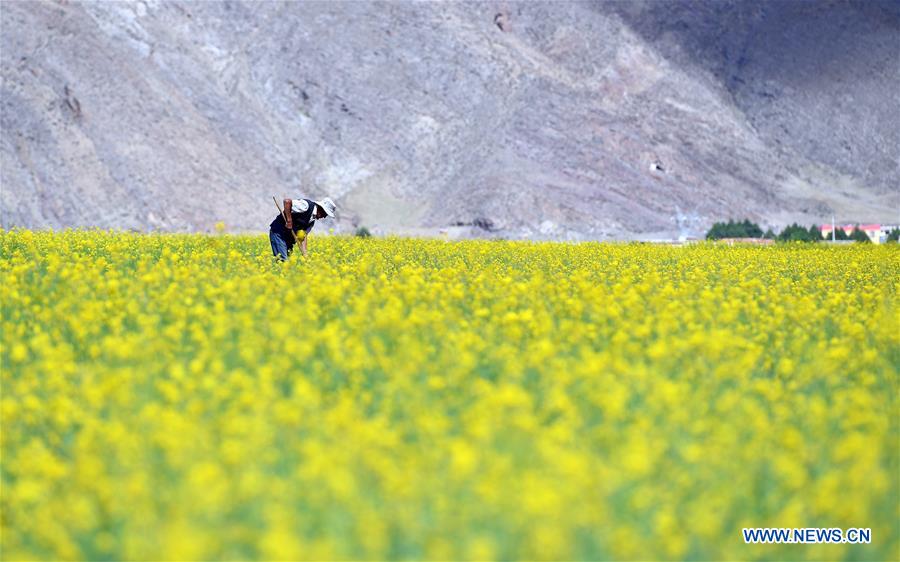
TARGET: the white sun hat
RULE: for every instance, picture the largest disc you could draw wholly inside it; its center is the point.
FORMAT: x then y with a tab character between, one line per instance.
327	205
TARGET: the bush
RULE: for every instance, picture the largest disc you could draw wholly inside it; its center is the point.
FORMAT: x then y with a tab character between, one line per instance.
893	235
363	232
732	229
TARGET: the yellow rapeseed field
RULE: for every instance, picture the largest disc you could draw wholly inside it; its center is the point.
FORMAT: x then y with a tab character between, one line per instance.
185	397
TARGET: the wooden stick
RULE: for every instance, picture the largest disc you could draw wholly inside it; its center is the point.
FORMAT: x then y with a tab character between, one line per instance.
280	210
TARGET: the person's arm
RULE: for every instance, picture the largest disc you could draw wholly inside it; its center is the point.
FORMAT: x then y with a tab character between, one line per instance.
306	232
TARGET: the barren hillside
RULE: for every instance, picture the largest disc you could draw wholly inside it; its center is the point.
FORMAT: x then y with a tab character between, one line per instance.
551	120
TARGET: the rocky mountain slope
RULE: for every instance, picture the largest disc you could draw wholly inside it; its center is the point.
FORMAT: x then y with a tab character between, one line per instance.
535	119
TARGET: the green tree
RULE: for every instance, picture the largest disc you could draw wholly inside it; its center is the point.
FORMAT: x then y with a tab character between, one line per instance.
732	229
859	236
839	234
795	233
770	234
751	229
715	232
893	235
815	233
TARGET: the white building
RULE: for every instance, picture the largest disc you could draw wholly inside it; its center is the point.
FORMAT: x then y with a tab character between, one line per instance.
877	233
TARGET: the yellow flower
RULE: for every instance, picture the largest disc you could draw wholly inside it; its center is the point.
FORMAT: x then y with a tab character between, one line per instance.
186	397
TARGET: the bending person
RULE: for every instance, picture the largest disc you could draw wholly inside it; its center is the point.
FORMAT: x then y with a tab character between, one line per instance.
295	223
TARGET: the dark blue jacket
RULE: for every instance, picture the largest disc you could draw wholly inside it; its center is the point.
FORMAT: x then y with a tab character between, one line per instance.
301	221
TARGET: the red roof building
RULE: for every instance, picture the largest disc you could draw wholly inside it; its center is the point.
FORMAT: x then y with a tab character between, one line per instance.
876	232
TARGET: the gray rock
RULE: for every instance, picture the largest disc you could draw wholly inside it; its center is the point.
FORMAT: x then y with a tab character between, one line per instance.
605	120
